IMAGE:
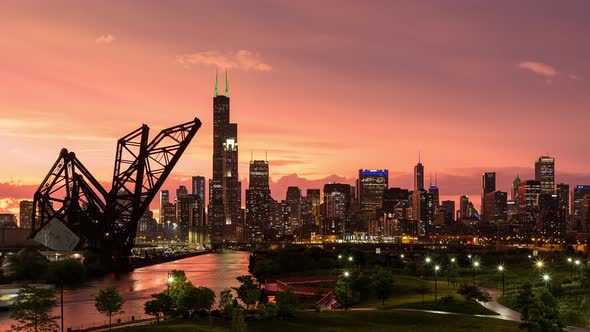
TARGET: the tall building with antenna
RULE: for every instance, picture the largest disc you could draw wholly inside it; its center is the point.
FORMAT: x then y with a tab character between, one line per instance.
419	175
225	213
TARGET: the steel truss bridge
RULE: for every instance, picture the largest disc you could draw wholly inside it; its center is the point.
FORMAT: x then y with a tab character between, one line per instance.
73	211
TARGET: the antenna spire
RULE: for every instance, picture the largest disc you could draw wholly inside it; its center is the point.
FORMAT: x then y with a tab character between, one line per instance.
216	85
226	86
419	158
436	178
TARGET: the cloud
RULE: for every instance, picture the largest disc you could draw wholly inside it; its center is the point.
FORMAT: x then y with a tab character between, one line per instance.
242	59
539	68
105	39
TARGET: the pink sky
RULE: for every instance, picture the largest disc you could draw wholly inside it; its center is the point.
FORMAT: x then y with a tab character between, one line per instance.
325	87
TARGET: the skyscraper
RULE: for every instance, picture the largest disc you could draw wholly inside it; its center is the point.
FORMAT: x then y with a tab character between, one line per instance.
449	211
224	188
488	185
418	176
528	194
580	192
294	205
550	224
515	183
198	187
371	185
314	196
258	201
496	207
563	198
25	214
545	173
337	208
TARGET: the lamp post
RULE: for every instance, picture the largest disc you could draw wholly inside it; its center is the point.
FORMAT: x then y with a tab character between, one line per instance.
570	261
539	264
61	284
451	267
578	262
427	261
475	267
546	279
346	275
436	268
169	280
501	270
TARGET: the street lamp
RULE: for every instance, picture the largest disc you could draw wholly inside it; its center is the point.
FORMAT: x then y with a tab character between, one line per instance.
539	264
501	270
350	258
401	256
346	275
427	261
169	280
578	262
546	279
436	268
451	267
570	261
475	267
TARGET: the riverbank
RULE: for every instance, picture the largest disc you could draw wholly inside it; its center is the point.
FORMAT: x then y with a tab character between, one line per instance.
142	262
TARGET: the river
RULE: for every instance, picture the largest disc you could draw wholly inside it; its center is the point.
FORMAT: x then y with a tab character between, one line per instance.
216	271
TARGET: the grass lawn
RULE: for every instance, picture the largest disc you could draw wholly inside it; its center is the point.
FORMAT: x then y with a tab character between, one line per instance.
347	321
406	296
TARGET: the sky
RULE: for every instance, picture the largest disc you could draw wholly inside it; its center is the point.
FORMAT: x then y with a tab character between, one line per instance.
325	87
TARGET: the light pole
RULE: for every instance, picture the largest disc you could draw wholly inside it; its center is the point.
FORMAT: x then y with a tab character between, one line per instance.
546	279
578	262
451	267
346	275
436	268
539	264
501	270
61	284
427	261
169	280
475	267
570	261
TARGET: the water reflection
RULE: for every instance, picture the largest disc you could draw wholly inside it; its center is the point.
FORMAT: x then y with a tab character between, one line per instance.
216	271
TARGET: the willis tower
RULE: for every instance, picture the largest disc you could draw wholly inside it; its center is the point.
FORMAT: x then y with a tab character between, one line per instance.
225	213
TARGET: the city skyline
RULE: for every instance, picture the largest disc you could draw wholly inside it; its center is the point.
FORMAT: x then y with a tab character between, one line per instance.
282	100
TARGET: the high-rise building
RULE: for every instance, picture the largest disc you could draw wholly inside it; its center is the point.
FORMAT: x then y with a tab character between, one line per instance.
314	195
578	221
550	223
26	214
418	176
496	208
528	194
370	186
225	215
488	185
563	197
184	209
449	211
515	183
293	201
423	210
545	173
258	201
198	187
337	208
8	220
181	191
164	201
433	190
396	201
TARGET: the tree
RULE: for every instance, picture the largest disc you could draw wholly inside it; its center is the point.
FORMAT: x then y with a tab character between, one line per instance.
225	301
286	301
423	290
194	299
28	265
342	294
108	302
543	315
525	301
162	304
248	291
383	284
179	284
33	310
473	293
585	282
485	297
237	321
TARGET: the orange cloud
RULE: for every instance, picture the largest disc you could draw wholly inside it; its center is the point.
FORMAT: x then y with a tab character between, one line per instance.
539	68
242	59
105	39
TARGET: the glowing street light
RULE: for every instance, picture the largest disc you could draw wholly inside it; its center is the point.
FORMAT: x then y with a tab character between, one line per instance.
169	280
436	269
350	259
339	256
546	279
501	270
452	259
428	260
539	264
571	263
475	267
401	256
346	275
578	263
